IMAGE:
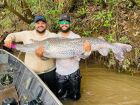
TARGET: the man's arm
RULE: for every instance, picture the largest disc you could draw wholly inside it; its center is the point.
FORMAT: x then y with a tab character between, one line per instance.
17	37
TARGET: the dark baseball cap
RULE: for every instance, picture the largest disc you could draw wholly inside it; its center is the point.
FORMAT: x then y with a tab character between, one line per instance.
40	18
65	17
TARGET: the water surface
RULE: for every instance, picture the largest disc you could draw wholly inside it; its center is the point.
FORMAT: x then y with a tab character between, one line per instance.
101	86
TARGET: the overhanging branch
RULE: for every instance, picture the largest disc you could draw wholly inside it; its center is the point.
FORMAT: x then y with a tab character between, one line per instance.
17	13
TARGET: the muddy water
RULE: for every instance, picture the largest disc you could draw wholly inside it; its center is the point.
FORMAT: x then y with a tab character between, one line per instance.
103	87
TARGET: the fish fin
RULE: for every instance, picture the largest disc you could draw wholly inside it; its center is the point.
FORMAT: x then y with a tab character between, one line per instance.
119	54
82	56
119	49
103	51
125	47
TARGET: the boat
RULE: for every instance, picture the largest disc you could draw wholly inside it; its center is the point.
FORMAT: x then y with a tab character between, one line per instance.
21	86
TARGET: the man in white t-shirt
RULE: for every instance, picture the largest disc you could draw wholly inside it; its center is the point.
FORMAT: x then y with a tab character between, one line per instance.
67	70
44	68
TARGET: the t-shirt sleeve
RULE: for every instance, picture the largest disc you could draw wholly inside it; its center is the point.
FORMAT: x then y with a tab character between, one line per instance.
17	36
77	36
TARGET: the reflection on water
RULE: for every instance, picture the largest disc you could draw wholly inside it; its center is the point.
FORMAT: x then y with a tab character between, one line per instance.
102	87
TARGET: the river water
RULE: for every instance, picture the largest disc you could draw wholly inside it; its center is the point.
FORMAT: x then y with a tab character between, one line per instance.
101	86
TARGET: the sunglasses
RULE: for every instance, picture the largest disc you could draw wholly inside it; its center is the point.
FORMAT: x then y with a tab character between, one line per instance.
64	22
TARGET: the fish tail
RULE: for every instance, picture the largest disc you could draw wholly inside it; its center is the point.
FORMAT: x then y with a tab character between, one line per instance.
118	49
103	51
124	47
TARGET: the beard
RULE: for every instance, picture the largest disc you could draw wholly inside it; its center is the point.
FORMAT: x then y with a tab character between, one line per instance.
65	31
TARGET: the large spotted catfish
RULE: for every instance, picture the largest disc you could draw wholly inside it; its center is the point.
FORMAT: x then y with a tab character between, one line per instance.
66	48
